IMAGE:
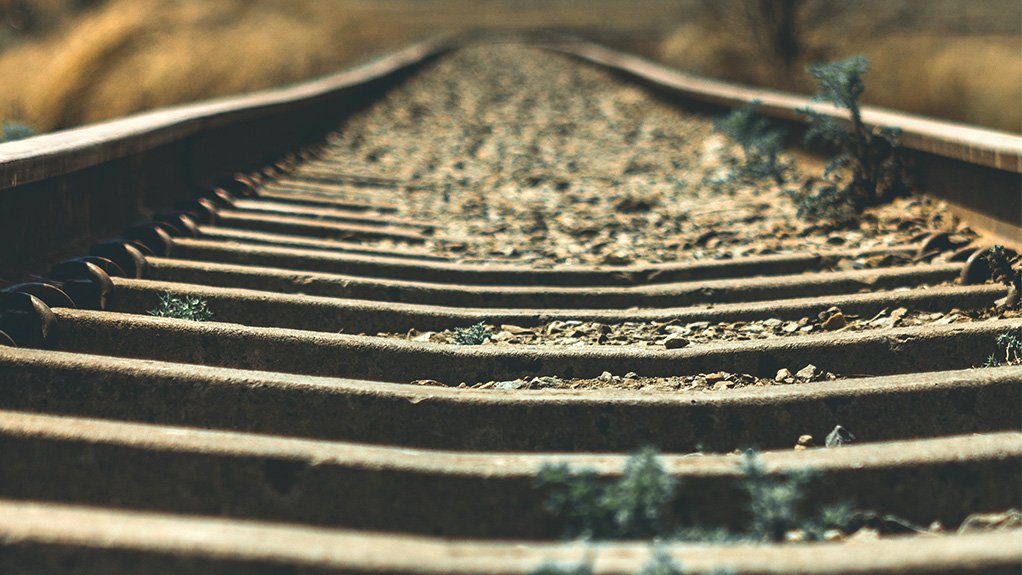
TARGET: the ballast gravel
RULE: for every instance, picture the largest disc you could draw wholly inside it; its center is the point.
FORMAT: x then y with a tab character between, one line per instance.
532	157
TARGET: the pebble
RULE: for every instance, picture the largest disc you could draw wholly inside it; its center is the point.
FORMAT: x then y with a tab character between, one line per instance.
835	322
808	373
675	342
512	384
783	374
839	437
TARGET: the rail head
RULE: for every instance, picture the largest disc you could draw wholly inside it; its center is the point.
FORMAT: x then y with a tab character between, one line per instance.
963	142
59	153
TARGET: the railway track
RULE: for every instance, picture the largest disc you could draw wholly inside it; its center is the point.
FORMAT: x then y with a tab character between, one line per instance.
324	421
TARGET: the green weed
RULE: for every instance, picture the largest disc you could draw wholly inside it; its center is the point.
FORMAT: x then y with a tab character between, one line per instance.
1009	347
867	169
775	504
661	563
15	131
472	335
761	144
630	508
189	308
584	568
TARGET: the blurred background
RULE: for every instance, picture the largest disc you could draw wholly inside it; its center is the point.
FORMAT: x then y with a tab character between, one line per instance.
65	63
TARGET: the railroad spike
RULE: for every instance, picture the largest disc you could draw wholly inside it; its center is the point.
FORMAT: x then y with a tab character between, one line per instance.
74	268
236	186
49	294
220	197
86	283
181	221
154	235
202	210
977	268
125	254
27	320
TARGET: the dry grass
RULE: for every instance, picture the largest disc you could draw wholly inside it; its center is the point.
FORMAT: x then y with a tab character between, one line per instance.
63	66
955	60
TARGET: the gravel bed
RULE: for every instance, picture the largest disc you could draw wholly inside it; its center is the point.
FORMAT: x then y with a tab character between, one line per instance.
699	382
675	334
528	156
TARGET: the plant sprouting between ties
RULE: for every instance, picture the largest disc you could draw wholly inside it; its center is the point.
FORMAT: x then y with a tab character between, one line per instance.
476	334
1002	270
583	568
630	508
775	504
761	144
868	169
188	308
1009	350
15	131
635	506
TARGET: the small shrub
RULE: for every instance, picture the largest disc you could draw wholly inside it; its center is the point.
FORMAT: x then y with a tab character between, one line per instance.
761	144
821	200
627	509
189	308
15	131
775	504
1000	265
1009	346
868	169
661	563
1003	270
584	568
473	335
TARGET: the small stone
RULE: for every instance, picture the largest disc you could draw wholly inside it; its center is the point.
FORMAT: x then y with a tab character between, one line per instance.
606	376
1011	519
514	329
839	437
631	375
791	327
783	374
865	534
829	312
795	536
833	535
835	322
808	373
424	336
805	439
675	342
428	382
899	313
511	384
